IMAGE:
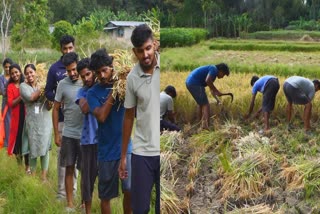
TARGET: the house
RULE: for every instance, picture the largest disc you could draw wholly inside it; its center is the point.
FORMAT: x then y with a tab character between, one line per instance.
121	29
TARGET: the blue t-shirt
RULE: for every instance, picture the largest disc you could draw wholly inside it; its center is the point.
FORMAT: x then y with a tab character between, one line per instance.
198	76
90	124
109	133
260	83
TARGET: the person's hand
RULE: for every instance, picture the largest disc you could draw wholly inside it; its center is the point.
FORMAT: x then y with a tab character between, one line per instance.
57	139
123	173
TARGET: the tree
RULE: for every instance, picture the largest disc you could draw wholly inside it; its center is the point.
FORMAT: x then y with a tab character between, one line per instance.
5	21
34	26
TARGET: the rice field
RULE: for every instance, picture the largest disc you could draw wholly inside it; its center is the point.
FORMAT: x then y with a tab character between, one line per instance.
232	168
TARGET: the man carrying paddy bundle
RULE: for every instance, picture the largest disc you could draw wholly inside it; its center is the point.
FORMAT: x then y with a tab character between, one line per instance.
166	109
300	91
109	112
196	82
269	87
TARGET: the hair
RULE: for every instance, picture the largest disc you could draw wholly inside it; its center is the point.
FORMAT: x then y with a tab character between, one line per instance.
99	59
224	68
14	65
171	90
66	39
7	60
253	80
83	63
140	35
69	58
29	66
316	82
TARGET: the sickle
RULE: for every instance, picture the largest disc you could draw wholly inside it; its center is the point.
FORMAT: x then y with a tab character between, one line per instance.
229	94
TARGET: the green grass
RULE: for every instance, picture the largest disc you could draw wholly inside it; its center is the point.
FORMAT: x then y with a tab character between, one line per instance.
281	34
245	46
283	63
21	193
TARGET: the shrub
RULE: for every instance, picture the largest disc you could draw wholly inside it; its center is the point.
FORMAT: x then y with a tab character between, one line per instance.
178	37
60	28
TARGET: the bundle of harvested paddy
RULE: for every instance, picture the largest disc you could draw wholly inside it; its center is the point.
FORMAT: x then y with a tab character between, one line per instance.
123	63
154	24
169	140
170	203
247	177
305	174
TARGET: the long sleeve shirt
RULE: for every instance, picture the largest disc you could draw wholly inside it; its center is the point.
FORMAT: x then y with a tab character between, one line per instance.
56	73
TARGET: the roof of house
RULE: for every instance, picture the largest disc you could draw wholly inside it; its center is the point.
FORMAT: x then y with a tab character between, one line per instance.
116	24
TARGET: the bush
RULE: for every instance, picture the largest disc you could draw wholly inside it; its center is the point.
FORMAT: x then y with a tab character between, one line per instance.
60	28
178	37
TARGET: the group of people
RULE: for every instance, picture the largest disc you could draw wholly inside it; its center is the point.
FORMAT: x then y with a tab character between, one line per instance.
298	90
92	129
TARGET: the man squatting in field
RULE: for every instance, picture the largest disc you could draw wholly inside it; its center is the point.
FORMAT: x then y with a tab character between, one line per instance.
166	109
88	143
109	112
70	154
269	87
196	82
301	91
142	95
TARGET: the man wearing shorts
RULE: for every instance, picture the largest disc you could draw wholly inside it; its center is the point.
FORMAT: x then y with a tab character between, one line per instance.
109	112
196	82
300	91
88	142
56	73
70	144
269	87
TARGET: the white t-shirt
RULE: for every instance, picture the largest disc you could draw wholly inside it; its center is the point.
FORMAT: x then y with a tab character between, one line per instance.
166	104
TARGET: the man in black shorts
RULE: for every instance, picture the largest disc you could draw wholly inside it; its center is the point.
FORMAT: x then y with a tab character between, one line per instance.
269	87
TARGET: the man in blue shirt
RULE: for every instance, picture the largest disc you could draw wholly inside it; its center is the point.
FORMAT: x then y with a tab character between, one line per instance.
109	113
56	73
196	82
88	142
269	87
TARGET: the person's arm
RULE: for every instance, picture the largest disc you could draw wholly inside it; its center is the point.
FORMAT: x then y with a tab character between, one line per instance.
127	129
171	116
101	113
83	104
50	85
12	101
27	96
251	105
213	90
55	121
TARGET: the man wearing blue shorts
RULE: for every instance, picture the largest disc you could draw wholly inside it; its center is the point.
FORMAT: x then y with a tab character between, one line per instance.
269	87
196	82
109	113
142	96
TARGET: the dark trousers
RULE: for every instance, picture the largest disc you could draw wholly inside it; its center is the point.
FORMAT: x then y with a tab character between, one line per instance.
166	125
145	174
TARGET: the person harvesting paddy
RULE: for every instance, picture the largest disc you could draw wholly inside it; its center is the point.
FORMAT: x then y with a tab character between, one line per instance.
269	86
200	78
300	91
